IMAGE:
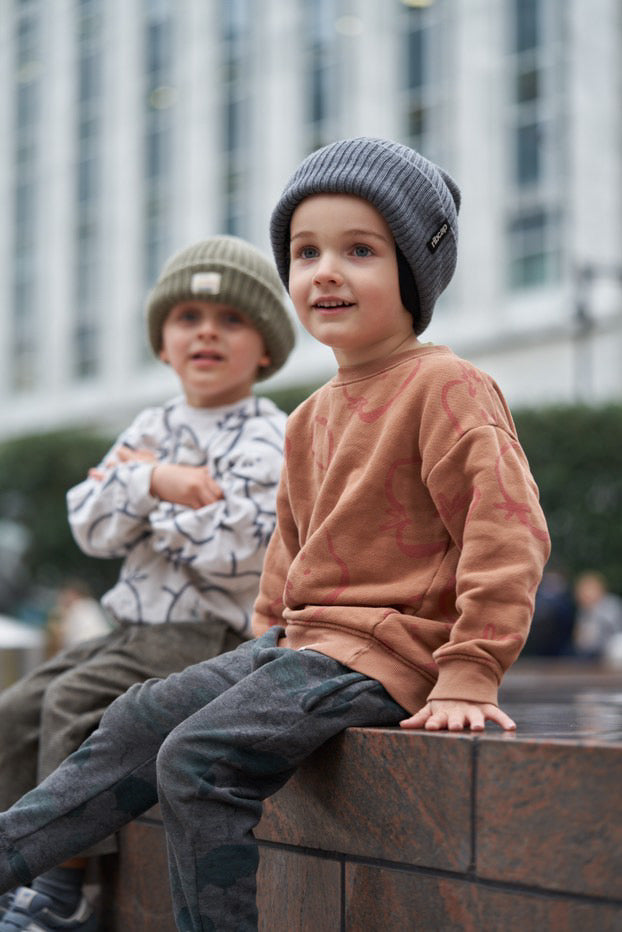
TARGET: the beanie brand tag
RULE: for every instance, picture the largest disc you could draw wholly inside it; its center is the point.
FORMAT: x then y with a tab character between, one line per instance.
437	239
205	282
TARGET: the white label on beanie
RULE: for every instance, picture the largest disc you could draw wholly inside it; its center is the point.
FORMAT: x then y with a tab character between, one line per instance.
205	282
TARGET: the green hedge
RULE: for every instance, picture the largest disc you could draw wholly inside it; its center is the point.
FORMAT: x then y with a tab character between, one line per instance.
289	398
35	474
575	455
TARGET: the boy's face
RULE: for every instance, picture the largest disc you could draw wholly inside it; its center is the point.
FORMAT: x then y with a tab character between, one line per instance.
215	351
343	279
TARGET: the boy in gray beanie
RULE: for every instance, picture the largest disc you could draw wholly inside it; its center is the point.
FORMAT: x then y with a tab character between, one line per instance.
187	496
397	587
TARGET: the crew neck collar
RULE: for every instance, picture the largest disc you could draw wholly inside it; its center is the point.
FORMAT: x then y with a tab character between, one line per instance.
365	370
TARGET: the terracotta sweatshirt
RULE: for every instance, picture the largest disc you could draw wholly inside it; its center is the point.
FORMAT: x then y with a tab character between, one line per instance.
410	541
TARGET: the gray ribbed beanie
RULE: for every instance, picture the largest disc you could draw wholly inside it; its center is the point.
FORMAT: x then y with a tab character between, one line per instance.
418	200
225	270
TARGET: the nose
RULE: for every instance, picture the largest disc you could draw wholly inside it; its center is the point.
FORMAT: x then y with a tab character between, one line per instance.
327	270
208	327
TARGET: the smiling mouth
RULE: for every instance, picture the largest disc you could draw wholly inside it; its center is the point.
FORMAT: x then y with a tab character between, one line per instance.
332	305
207	356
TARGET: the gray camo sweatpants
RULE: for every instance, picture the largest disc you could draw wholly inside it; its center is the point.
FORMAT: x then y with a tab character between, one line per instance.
210	744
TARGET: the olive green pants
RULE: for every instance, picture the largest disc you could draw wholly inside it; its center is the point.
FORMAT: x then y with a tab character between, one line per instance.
47	714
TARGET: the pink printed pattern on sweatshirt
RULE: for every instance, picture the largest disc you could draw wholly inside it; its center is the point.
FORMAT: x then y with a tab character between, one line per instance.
490	634
344	579
323	443
275	612
473	382
509	505
359	404
448	507
400	520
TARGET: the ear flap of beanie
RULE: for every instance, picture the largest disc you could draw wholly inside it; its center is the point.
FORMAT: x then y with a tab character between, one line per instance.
408	289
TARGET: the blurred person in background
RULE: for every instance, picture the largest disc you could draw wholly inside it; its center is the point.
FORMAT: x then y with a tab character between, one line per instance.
599	616
187	495
76	617
14	541
554	616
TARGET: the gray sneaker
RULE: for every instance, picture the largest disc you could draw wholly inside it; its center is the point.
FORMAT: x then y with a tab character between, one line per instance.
30	911
6	901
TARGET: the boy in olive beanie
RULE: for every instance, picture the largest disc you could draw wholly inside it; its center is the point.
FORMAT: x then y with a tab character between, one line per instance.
225	270
187	496
397	587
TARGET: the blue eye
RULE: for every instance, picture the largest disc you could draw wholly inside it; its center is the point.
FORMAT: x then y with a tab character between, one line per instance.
308	252
231	317
361	252
188	314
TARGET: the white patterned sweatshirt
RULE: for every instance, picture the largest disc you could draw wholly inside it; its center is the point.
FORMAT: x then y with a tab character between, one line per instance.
180	563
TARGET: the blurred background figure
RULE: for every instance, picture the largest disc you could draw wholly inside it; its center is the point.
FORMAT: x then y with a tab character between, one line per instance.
599	617
14	542
554	617
77	616
21	649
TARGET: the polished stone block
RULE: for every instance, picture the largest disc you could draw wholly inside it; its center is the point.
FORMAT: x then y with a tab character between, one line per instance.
135	892
389	830
384	900
380	793
298	892
550	814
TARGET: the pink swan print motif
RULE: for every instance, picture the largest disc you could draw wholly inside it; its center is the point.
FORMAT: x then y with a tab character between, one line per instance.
400	521
509	505
448	508
275	612
359	404
323	443
472	382
344	579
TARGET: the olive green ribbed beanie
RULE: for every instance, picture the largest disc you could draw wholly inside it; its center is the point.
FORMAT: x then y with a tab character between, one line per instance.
225	270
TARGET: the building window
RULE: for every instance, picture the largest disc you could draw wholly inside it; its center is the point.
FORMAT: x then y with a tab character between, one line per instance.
24	329
535	256
88	239
158	139
535	170
427	37
321	36
236	19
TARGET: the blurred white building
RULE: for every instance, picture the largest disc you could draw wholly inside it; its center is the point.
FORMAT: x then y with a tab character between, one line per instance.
130	128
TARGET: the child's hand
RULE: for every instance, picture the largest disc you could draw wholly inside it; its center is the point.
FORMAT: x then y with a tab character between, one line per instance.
122	454
455	715
191	486
127	455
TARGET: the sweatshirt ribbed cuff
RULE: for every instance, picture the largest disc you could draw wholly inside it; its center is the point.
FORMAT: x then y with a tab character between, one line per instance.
138	482
467	681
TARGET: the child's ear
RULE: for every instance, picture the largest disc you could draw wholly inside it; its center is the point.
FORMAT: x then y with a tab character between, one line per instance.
264	361
163	356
